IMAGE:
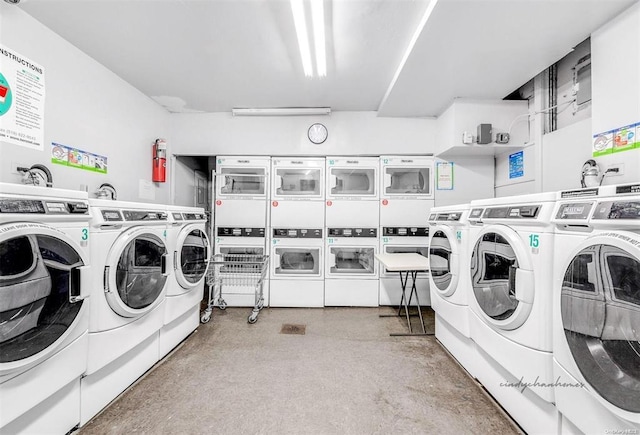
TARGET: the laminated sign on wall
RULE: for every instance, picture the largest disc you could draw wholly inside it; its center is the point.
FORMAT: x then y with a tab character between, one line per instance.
516	165
617	140
22	94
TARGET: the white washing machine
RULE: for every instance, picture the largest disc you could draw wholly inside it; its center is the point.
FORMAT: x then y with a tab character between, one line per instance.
44	313
241	191
406	190
396	240
296	268
450	284
297	192
510	269
131	260
596	310
189	250
351	272
231	241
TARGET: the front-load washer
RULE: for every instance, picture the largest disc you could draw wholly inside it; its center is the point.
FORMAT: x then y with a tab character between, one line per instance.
406	190
449	256
351	271
596	309
510	268
189	251
296	267
403	240
130	256
44	310
235	241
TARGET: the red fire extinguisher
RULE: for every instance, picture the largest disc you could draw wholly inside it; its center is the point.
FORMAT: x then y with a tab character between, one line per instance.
160	161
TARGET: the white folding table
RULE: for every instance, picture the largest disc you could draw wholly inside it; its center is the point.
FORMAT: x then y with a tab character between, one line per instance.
407	265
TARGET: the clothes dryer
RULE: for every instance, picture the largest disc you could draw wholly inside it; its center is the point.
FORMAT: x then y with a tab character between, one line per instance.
596	309
296	268
44	310
406	190
397	240
189	250
510	269
232	241
131	259
449	255
351	273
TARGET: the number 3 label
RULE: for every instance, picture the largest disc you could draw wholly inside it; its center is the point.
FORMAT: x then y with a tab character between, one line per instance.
534	240
85	234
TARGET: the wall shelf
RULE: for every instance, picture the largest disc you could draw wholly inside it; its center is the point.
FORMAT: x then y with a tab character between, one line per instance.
471	150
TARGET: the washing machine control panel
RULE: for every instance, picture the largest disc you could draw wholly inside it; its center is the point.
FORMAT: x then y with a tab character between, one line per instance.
32	206
406	231
516	212
240	232
617	210
574	210
476	213
353	232
297	233
142	215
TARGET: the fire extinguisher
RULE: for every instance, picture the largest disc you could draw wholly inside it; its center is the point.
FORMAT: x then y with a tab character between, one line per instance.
160	161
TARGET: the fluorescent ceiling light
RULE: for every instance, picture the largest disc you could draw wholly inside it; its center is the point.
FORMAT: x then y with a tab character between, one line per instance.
281	111
317	15
297	8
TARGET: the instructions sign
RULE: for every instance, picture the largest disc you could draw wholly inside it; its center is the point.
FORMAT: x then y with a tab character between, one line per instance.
68	156
617	140
444	176
516	165
22	94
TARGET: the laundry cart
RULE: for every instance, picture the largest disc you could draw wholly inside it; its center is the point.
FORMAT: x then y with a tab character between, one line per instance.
234	270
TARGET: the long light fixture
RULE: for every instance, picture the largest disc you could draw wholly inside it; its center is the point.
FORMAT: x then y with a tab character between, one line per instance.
304	44
300	21
281	111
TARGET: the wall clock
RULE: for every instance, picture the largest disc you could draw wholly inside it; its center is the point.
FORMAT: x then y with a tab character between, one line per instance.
317	133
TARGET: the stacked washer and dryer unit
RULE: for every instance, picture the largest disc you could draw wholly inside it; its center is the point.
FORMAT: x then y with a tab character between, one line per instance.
241	217
352	220
596	309
297	236
44	307
189	253
511	265
130	260
406	197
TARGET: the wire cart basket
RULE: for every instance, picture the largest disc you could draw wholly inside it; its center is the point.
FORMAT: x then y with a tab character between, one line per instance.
226	270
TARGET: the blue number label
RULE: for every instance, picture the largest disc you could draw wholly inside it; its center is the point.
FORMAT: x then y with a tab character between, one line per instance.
534	240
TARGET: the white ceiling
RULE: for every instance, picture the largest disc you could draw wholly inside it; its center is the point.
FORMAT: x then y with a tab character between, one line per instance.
214	55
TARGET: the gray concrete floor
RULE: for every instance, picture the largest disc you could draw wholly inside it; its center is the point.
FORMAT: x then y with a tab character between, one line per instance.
346	375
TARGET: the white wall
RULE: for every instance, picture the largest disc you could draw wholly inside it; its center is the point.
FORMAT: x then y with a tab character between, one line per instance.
350	133
506	186
615	67
472	179
86	107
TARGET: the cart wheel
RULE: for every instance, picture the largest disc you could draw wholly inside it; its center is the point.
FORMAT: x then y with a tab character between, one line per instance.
253	318
222	304
205	317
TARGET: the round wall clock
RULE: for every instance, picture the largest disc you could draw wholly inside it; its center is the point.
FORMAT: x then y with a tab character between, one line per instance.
317	133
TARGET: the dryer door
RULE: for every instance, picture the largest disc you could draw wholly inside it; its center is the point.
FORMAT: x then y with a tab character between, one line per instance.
444	260
600	307
236	182
136	272
502	277
191	258
351	181
42	272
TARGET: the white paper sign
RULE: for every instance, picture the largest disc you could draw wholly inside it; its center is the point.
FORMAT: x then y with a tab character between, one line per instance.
146	190
444	176
22	94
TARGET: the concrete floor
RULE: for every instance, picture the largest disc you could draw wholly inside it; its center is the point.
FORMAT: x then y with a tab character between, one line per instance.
346	375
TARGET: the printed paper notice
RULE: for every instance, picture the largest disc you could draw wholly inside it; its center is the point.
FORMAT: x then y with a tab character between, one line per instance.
516	165
146	190
21	100
444	176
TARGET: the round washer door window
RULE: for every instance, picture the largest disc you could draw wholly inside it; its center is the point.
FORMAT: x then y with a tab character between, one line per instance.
501	277
193	258
443	262
140	275
600	308
37	273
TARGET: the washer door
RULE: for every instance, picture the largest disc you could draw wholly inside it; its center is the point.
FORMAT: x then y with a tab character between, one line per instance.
600	307
502	277
191	259
41	293
136	272
444	261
